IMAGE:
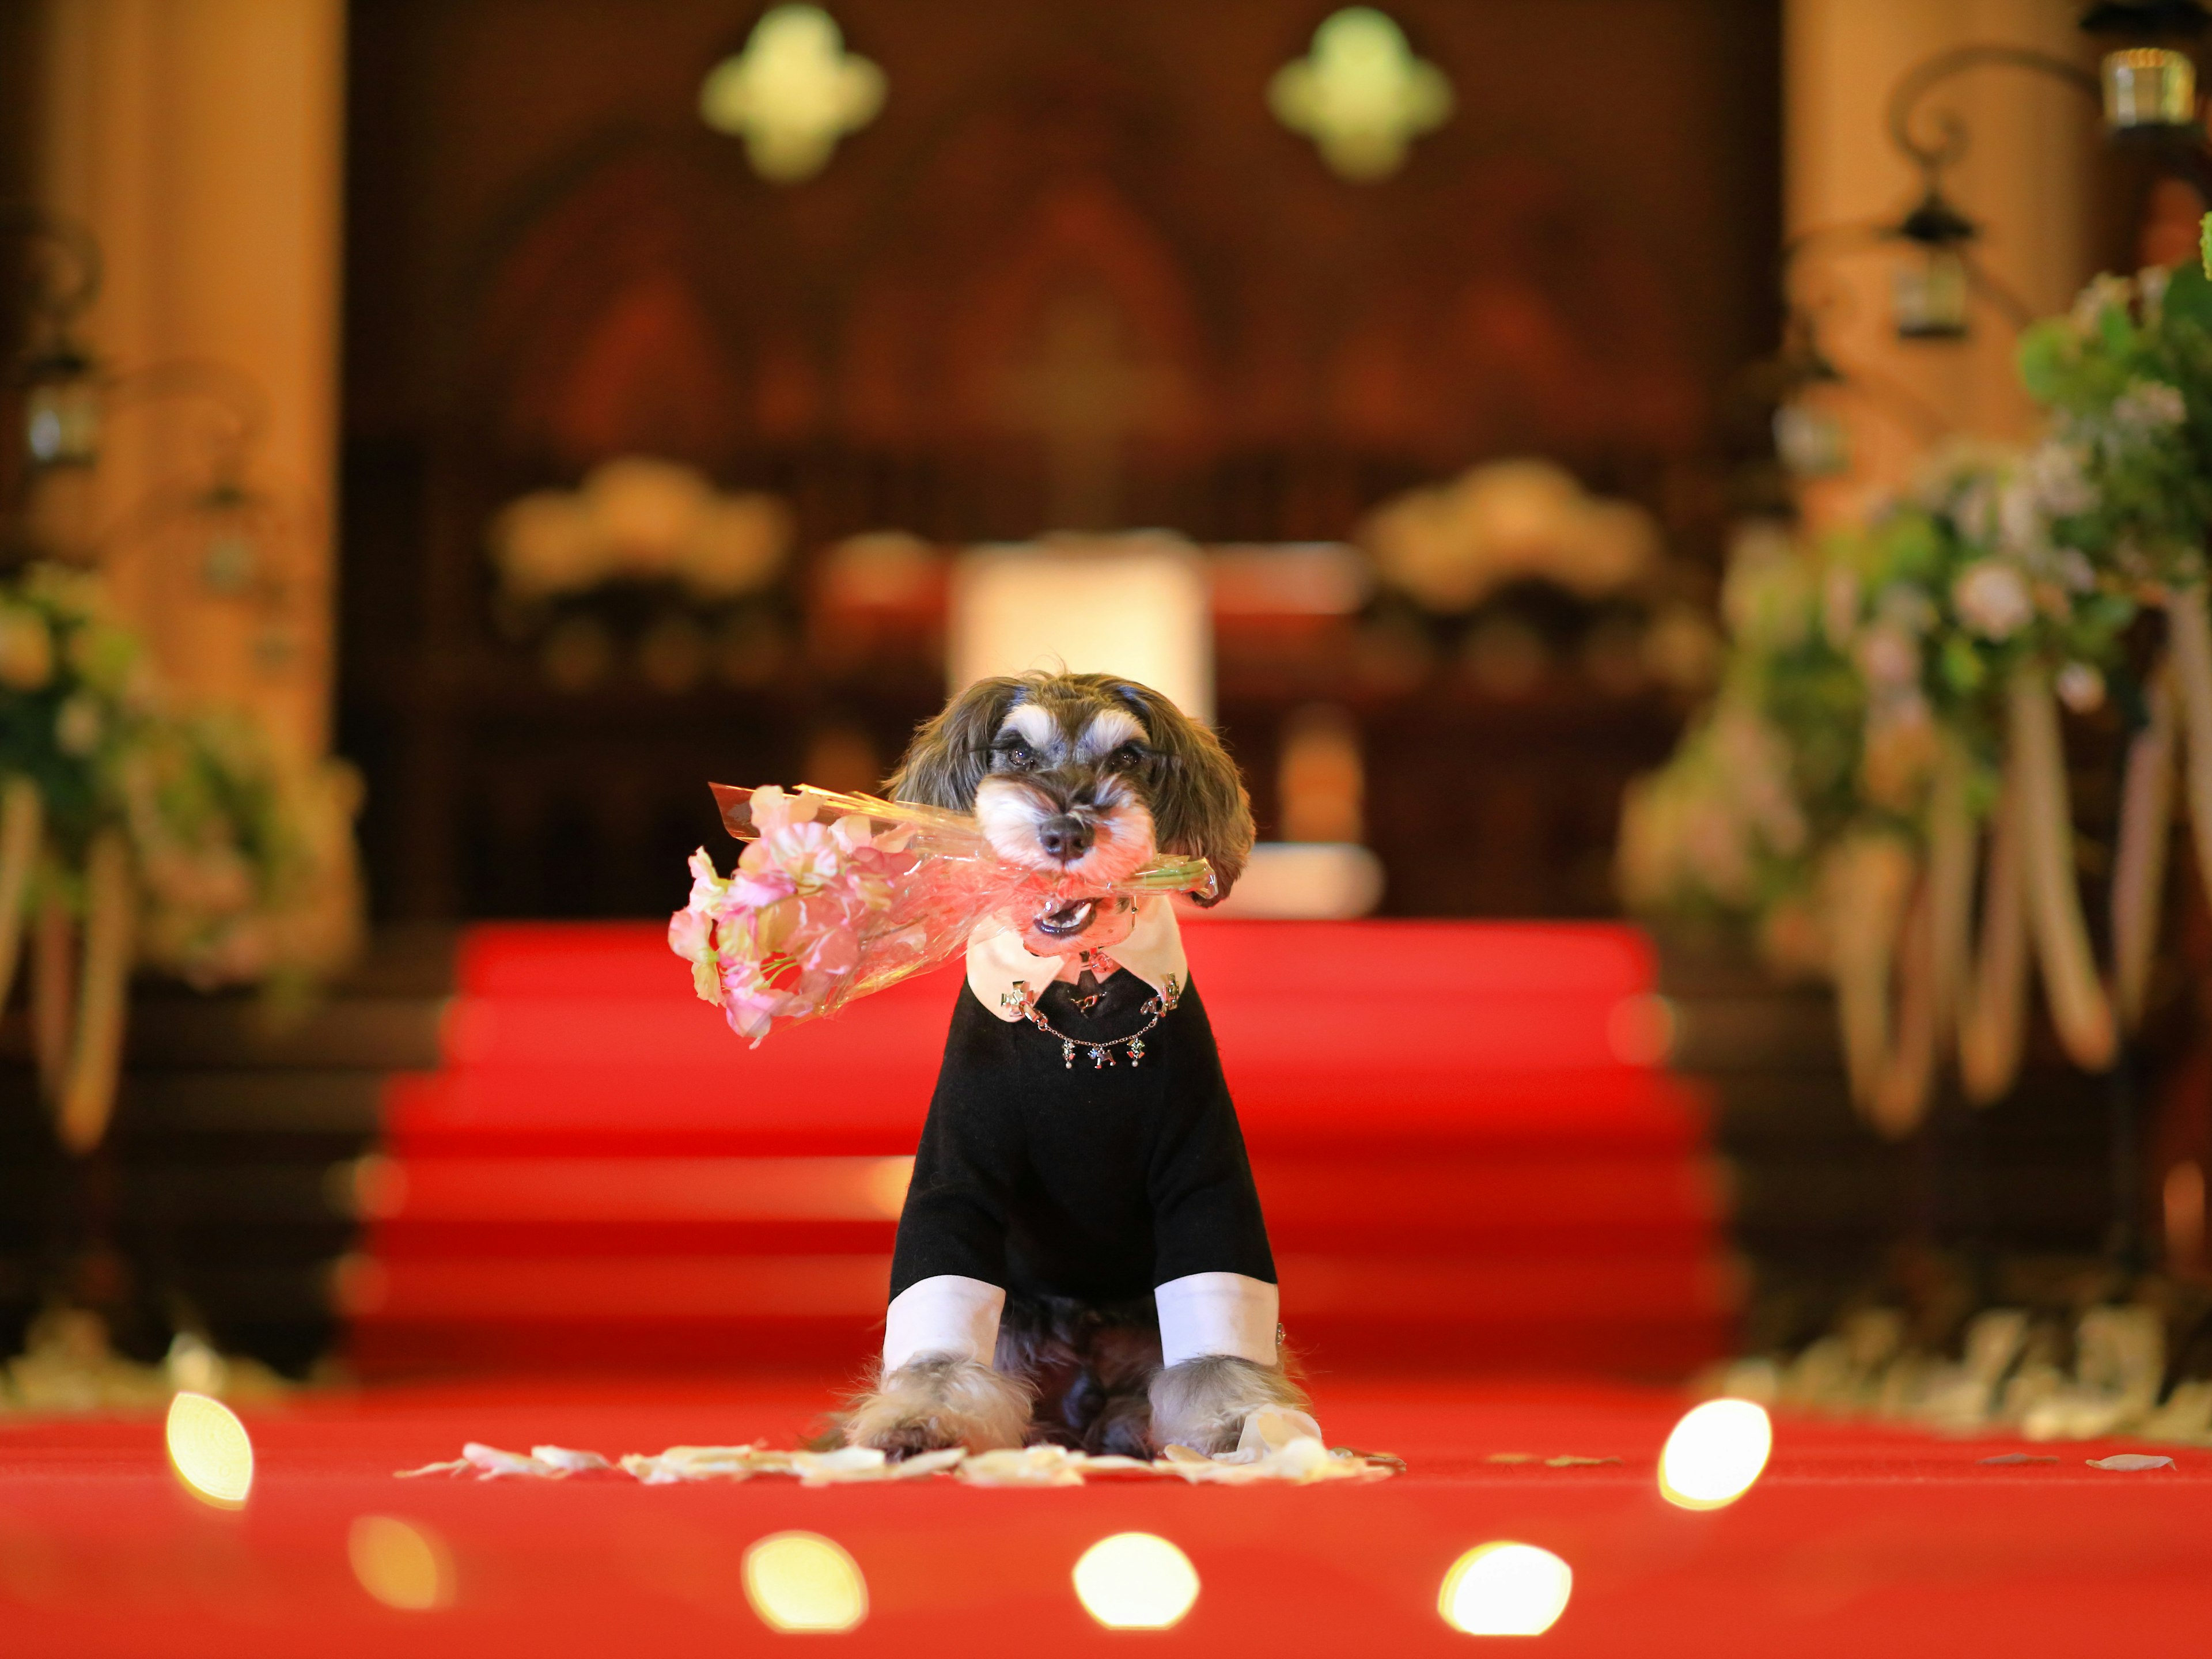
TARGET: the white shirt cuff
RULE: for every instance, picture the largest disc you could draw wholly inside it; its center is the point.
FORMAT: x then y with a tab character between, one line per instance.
1203	1314
945	1313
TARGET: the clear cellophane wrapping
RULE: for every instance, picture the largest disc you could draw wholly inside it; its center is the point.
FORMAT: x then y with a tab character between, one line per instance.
839	896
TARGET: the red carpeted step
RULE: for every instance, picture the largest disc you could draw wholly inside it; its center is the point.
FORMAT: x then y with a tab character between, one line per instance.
1465	1153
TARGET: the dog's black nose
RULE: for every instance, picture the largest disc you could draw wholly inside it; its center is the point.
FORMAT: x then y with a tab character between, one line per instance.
1066	837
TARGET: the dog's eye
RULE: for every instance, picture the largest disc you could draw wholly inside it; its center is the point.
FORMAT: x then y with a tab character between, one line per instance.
1127	758
1018	755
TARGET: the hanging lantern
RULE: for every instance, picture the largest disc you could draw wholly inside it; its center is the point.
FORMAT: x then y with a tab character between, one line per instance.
60	381
231	525
2148	89
1928	295
1928	291
1812	441
61	408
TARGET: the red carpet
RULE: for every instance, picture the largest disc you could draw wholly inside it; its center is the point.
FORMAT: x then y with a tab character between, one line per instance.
1464	1159
1857	1541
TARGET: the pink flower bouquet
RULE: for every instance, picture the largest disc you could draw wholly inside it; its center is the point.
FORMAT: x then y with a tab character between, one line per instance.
838	896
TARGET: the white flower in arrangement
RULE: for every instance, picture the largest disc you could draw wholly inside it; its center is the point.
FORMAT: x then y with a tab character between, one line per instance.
1975	511
78	726
2081	687
2105	291
1992	598
2022	526
2149	406
1888	657
2150	283
2057	475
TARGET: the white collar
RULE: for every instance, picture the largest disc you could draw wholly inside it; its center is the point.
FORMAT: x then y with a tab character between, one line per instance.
997	964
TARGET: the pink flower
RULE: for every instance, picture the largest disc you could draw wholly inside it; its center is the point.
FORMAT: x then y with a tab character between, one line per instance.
691	935
834	949
813	910
805	854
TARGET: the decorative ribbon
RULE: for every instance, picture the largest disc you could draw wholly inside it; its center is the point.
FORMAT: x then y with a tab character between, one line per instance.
2189	636
1993	999
96	1059
78	1009
2139	859
2030	895
22	823
1870	881
2079	1007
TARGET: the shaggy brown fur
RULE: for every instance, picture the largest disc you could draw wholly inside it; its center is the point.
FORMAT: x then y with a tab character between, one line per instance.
936	1400
1202	1403
1089	1367
1070	1375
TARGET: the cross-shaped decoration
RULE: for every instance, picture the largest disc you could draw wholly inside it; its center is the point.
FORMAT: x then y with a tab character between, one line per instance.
791	93
1360	94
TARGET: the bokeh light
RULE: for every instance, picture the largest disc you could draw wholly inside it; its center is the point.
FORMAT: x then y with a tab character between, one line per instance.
1135	1581
1505	1588
801	1580
1715	1453
403	1564
210	1451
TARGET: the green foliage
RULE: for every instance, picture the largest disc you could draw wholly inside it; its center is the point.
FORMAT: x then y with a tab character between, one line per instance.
1857	669
223	844
2127	377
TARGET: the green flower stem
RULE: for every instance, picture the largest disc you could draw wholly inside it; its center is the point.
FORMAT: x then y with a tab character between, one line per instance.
23	822
2139	859
2079	1007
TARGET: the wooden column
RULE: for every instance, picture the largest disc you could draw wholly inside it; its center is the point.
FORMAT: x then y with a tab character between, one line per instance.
2025	180
200	140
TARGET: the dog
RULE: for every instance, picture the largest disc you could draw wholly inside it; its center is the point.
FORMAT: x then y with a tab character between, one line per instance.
1081	1259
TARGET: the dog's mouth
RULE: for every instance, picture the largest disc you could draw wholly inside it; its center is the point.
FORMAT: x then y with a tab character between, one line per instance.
1069	920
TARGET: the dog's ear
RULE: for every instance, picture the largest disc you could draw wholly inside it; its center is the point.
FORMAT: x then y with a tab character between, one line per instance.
952	750
1199	803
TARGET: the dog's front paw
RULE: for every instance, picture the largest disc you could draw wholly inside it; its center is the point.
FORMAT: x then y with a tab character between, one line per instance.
899	1441
938	1400
1202	1403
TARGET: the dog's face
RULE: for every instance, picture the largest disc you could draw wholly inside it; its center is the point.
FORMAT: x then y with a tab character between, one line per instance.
1087	775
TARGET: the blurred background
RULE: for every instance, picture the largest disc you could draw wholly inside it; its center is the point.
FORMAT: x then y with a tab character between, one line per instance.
518	412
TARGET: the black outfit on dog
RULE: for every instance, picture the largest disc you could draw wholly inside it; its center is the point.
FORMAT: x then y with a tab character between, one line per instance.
1095	1184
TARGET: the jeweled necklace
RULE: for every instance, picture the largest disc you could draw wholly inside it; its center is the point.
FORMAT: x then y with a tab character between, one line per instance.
1023	1001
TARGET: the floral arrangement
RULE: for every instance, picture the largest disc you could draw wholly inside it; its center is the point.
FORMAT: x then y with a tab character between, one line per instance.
1451	545
1889	723
172	841
838	896
639	520
1766	773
